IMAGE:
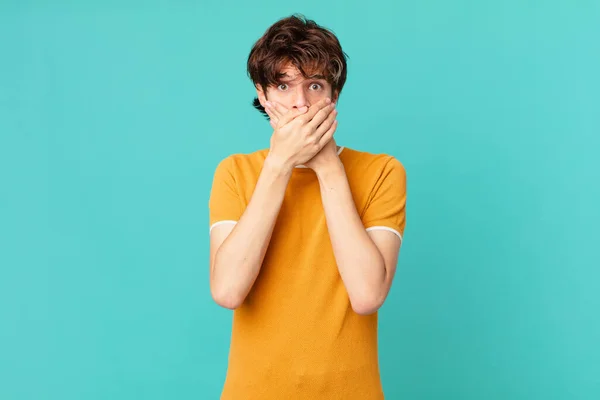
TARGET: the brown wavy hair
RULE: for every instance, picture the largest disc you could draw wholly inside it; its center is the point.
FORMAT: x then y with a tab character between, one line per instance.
311	48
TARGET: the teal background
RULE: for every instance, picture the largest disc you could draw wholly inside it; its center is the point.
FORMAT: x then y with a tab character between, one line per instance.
113	116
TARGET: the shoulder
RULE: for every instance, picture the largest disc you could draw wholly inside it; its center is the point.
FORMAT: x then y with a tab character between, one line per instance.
371	164
239	161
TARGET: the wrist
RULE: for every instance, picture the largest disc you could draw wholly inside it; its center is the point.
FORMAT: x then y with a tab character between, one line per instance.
330	169
277	166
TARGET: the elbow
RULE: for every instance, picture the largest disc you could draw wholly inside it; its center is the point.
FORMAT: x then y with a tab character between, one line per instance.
226	299
223	290
368	298
366	305
226	296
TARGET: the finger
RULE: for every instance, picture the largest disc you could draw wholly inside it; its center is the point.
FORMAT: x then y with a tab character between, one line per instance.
325	124
321	116
328	135
310	112
269	109
291	114
324	104
278	109
272	117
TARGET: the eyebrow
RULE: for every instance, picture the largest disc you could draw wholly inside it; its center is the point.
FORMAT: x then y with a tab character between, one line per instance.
315	76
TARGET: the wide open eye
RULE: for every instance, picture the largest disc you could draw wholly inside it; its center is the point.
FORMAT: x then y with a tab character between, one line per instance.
318	85
280	87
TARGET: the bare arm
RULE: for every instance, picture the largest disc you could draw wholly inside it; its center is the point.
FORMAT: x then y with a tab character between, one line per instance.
366	260
237	254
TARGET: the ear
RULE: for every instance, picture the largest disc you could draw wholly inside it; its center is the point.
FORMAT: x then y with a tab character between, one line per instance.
334	96
262	97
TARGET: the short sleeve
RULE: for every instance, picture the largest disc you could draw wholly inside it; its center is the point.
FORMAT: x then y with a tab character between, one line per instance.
224	203
387	203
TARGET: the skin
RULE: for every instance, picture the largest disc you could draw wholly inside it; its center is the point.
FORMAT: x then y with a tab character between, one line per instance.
303	117
295	93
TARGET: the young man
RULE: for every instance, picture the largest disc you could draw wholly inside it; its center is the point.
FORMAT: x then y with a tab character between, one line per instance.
304	235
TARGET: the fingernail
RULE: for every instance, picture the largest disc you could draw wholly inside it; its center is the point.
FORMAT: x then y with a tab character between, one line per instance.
268	103
327	100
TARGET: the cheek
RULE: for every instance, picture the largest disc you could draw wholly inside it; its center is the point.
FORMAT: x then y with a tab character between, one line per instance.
319	95
279	98
286	100
272	95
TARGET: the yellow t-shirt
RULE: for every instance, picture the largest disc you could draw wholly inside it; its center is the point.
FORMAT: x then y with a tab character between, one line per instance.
296	335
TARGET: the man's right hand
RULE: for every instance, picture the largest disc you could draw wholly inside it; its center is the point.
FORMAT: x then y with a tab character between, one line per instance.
301	133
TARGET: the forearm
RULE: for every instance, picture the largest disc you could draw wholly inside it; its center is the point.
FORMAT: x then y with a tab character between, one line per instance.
359	261
239	258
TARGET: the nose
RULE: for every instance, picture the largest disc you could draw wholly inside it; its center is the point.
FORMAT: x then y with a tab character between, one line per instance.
300	98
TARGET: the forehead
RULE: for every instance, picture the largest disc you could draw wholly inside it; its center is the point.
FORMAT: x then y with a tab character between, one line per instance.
291	73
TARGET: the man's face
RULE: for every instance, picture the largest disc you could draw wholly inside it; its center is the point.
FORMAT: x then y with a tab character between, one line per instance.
295	91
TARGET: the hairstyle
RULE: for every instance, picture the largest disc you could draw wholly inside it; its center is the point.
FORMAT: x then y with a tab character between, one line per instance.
311	48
